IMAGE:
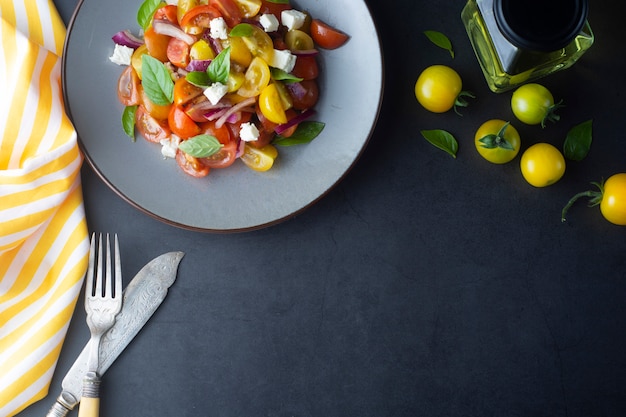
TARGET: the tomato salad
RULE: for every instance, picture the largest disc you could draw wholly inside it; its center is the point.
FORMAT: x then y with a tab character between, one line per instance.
213	81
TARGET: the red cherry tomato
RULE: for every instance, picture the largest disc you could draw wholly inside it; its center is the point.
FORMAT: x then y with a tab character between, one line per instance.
167	12
181	124
128	88
229	10
198	18
268	7
156	44
178	52
190	165
305	95
150	128
327	36
306	67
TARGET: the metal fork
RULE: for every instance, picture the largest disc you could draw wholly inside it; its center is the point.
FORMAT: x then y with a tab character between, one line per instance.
103	301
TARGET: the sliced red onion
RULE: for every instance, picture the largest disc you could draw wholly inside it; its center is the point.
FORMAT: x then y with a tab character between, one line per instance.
198	65
296	120
126	38
198	109
240	148
296	90
165	27
237	107
305	52
214	114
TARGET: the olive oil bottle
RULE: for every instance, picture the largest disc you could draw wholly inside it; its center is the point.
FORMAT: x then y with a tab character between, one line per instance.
517	41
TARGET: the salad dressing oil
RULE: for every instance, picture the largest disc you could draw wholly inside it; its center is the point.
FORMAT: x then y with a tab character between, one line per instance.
518	41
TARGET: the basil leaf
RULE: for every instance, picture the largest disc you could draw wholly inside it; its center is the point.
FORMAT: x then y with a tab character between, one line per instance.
280	75
199	79
440	40
128	121
242	30
200	146
219	68
146	11
442	140
156	81
305	133
578	141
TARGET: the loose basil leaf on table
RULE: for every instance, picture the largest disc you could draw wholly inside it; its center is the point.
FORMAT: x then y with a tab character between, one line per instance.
442	140
440	40
578	141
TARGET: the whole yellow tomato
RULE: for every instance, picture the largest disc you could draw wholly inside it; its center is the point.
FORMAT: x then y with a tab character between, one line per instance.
542	164
439	88
497	141
611	196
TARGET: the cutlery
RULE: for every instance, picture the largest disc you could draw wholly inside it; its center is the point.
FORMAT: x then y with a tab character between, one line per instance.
141	298
103	301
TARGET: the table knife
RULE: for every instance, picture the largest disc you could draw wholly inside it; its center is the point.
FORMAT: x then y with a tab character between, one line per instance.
142	297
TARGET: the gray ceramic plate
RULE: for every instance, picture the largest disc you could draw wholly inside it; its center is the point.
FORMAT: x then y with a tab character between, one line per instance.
237	198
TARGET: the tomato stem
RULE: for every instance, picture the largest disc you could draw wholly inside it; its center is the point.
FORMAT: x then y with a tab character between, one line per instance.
461	102
551	116
595	197
497	141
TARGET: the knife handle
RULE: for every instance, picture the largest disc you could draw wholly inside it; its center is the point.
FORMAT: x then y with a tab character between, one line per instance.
90	400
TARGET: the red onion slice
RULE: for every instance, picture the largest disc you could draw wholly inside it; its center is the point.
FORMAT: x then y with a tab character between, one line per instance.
296	120
165	27
126	38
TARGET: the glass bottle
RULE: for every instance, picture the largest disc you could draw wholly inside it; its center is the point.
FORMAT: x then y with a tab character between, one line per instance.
517	41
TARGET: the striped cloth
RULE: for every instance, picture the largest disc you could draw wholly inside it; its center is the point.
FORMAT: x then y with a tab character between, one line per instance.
43	232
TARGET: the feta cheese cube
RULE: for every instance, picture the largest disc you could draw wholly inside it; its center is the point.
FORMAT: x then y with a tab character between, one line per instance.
269	22
292	18
169	146
219	28
248	132
215	92
283	59
121	55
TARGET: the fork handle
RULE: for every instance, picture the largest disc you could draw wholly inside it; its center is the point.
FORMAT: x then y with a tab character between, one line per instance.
90	400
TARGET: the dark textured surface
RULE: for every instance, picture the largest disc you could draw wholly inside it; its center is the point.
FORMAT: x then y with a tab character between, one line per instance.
421	286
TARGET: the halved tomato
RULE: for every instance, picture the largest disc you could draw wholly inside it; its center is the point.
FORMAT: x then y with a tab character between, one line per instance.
223	158
304	95
157	111
197	19
150	128
306	67
178	52
128	87
184	91
259	159
271	105
269	7
327	36
181	124
190	165
230	11
257	77
167	12
156	44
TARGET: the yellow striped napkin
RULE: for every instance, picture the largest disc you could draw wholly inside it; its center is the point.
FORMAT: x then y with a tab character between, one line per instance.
43	232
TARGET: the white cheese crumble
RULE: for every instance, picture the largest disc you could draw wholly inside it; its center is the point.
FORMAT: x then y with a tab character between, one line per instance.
215	92
219	28
169	146
121	55
269	22
248	132
283	59
292	18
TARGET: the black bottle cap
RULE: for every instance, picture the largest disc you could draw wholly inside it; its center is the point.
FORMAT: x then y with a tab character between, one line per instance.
540	25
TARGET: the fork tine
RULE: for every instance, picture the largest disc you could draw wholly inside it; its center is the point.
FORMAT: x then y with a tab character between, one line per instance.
99	269
118	270
90	266
108	283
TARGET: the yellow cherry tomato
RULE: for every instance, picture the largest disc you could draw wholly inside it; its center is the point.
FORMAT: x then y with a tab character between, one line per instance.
257	77
271	105
259	159
542	164
260	44
249	8
611	196
533	104
239	52
201	50
497	141
439	88
135	59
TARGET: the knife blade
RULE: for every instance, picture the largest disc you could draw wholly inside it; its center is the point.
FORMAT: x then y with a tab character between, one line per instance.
142	297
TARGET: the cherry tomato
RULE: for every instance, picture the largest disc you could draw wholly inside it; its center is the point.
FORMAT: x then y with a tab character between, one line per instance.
327	36
156	44
306	67
183	7
157	111
439	88
222	134
533	104
167	12
229	10
136	61
298	40
611	196
304	95
269	7
542	164
190	165
128	87
239	52
223	158
249	8
197	19
257	77
497	141
259	159
184	91
178	52
151	129
181	124
260	44
271	105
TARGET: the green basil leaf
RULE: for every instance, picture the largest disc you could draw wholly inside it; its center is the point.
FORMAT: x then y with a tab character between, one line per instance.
199	79
440	40
219	68
146	11
242	30
305	133
280	75
156	81
200	146
128	121
578	141
442	140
